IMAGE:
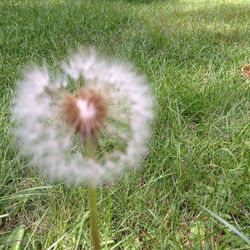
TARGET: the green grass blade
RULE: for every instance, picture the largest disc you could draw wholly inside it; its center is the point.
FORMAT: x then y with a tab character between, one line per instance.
13	241
228	225
36	228
3	216
54	244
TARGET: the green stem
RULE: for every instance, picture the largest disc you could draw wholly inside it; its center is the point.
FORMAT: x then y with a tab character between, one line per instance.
90	152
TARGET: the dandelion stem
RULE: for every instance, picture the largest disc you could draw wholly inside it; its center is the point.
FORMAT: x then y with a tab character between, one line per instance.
90	152
93	218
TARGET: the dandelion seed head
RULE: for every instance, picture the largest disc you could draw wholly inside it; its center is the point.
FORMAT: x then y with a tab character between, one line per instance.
113	103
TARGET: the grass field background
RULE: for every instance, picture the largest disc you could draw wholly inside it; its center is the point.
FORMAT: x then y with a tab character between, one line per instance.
191	53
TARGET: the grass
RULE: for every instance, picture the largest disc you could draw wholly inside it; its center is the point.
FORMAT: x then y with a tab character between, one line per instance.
191	53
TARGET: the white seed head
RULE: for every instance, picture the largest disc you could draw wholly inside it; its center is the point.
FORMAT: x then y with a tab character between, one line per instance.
111	99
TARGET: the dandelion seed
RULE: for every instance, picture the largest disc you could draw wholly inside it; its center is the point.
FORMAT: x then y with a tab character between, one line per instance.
110	102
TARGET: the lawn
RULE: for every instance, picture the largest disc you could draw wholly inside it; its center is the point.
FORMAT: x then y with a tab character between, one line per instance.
191	52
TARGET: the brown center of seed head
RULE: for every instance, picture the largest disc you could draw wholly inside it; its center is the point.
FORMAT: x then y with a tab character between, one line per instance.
85	113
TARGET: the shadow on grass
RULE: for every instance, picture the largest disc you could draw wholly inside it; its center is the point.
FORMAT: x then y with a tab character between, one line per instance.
150	1
194	35
226	13
53	27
